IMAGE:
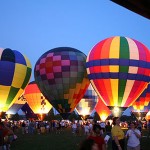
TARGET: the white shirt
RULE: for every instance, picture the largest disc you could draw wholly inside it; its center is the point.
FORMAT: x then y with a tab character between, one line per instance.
133	140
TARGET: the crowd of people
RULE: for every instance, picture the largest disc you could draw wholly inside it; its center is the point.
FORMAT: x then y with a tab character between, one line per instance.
97	133
97	141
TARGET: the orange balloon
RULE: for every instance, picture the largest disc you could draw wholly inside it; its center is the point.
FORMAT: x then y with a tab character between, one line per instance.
36	100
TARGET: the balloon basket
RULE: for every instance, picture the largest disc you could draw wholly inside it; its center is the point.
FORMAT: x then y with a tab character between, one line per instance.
41	116
84	117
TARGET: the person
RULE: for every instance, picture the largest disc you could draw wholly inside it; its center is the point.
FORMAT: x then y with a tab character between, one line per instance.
86	129
118	142
133	135
108	128
148	129
78	132
23	125
74	127
139	126
102	124
97	137
89	144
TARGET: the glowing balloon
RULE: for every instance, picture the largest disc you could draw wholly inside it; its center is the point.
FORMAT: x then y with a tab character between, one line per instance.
102	110
87	103
139	109
61	76
36	100
142	103
15	72
145	96
119	70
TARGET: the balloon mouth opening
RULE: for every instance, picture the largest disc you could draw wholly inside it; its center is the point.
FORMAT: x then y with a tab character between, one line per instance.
84	117
140	115
117	111
121	108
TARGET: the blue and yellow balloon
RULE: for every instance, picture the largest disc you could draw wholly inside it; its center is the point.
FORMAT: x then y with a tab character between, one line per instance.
15	72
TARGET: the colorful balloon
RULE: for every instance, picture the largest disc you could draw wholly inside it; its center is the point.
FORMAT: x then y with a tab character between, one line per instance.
17	105
36	100
142	103
15	72
119	70
87	103
102	110
61	76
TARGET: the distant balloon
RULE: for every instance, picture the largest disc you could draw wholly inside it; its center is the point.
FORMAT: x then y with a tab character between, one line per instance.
119	70
142	103
139	109
61	76
87	103
36	100
15	72
102	110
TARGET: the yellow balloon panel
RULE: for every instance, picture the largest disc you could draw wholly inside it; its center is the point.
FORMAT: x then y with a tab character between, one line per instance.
19	75
37	104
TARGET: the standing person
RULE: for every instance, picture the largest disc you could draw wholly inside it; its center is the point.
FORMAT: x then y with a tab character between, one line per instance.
108	128
89	144
86	129
97	138
148	128
117	133
102	124
133	135
74	127
23	126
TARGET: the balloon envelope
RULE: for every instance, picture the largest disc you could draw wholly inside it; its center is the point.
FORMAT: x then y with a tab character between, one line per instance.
88	102
118	68
102	110
142	103
36	100
18	104
61	76
15	72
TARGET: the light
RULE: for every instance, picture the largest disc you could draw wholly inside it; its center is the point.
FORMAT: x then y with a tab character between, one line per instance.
116	112
147	116
85	112
103	116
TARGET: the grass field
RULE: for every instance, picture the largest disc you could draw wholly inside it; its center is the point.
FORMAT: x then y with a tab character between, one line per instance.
63	141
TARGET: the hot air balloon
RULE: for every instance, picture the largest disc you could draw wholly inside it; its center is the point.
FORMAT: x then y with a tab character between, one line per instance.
102	110
36	100
141	106
61	76
118	68
15	72
139	110
87	103
17	105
